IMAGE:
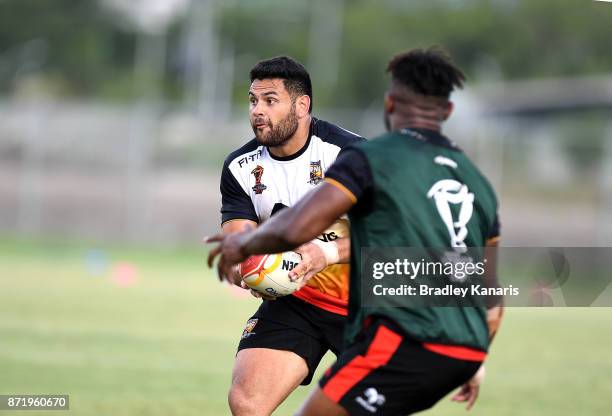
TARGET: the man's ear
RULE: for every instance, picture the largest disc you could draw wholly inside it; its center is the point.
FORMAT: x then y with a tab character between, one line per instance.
389	104
302	106
448	111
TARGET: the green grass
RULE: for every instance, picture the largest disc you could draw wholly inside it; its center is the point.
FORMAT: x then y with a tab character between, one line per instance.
165	345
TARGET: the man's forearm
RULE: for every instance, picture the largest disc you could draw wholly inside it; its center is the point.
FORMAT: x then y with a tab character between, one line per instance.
299	224
344	249
280	233
263	241
494	304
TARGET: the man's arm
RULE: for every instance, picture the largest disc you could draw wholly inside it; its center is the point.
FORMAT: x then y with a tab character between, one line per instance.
231	227
237	225
286	230
301	223
237	211
316	255
495	304
495	308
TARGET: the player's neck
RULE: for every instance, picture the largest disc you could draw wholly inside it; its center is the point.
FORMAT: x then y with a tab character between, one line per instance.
417	123
411	110
295	142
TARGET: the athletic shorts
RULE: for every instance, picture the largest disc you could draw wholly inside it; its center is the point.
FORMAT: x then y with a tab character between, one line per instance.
291	324
385	373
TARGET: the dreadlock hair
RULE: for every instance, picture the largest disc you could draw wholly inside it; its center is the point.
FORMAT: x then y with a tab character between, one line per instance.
426	71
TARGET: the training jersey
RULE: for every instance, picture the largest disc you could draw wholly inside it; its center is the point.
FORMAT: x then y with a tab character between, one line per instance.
416	188
255	185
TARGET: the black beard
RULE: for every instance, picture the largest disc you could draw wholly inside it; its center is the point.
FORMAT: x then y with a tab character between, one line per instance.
279	134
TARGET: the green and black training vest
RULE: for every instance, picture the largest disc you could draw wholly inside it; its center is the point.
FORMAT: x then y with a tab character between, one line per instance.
408	168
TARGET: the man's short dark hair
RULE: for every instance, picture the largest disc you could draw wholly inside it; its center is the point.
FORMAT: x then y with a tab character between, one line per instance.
426	71
294	75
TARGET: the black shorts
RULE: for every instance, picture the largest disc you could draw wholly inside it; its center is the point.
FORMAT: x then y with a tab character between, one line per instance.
385	373
290	324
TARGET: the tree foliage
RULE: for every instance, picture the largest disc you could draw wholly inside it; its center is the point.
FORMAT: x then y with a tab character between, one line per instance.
491	39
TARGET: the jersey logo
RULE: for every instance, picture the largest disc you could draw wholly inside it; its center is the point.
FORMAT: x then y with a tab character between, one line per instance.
316	173
248	329
449	191
327	237
258	173
444	161
250	158
372	400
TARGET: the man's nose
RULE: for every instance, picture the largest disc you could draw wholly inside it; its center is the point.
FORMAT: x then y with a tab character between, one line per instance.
256	109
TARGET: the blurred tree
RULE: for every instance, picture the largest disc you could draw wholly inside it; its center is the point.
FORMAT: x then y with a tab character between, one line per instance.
79	44
82	46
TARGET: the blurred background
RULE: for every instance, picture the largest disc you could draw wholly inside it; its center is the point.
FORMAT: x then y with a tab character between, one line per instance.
115	118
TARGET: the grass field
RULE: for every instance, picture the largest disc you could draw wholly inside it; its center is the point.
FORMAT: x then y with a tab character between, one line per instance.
163	343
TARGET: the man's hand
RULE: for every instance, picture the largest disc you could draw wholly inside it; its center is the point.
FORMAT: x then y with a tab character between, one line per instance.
255	293
313	261
231	250
233	276
469	391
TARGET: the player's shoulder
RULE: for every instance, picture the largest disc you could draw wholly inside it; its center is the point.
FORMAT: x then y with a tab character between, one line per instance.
382	142
333	134
249	150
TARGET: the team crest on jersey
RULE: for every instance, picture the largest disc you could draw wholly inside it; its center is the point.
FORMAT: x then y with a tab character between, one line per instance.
248	329
445	193
258	173
316	173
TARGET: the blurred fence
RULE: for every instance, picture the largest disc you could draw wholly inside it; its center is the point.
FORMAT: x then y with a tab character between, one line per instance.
148	173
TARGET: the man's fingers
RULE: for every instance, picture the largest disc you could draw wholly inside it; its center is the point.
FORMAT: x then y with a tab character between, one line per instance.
213	253
213	238
268	297
469	391
459	397
227	270
261	295
467	394
253	292
473	396
224	271
462	395
234	275
220	270
298	271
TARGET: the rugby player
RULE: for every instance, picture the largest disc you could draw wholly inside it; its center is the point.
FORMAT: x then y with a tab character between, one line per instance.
398	360
286	338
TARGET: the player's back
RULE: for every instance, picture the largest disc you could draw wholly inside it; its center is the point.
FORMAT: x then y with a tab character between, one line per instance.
421	179
426	193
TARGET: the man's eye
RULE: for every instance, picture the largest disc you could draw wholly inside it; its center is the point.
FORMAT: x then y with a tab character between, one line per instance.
270	101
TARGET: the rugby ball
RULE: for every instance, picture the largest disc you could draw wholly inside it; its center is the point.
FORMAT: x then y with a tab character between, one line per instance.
268	274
